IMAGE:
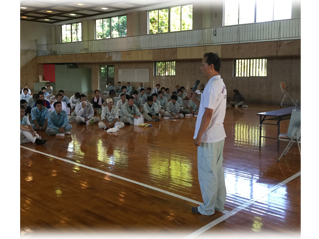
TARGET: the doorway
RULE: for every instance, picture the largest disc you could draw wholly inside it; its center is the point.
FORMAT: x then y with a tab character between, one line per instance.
106	76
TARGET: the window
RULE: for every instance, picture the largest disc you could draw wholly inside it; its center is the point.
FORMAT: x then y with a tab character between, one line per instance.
250	67
165	68
172	19
72	32
250	11
113	27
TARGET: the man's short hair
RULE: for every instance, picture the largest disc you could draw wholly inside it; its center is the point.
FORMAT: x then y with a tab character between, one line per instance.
173	97
56	103
135	92
149	88
25	89
61	91
174	93
142	89
58	95
182	87
23	102
130	98
158	85
179	90
96	91
150	98
39	102
154	94
128	83
22	107
83	95
124	87
40	93
43	88
35	96
77	94
163	88
213	58
122	94
167	89
112	92
119	82
160	93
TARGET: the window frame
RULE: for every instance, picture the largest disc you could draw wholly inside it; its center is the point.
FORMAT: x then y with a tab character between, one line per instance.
169	19
155	68
249	68
110	25
71	32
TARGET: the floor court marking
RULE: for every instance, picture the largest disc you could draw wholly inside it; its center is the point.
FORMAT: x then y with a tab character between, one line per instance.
118	177
239	208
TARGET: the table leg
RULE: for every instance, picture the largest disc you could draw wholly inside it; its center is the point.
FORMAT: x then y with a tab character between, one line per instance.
278	123
260	123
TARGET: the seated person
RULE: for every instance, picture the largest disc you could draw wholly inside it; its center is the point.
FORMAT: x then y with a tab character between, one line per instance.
151	112
129	112
156	89
124	90
39	116
179	98
167	95
137	101
176	88
26	87
147	93
65	98
118	88
46	94
27	134
184	95
58	122
84	112
121	102
58	98
109	87
162	100
97	101
74	100
45	102
141	95
140	87
24	103
159	106
49	88
129	88
24	95
173	109
32	101
109	115
192	108
238	99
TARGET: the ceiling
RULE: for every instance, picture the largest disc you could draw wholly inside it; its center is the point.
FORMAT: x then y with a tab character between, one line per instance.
55	11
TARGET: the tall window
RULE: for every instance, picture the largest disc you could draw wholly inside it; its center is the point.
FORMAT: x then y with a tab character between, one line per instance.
250	11
172	19
111	27
250	67
165	68
72	32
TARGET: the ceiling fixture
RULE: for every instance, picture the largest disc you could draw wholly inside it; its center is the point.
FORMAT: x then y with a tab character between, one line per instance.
104	8
80	4
46	19
24	17
23	7
72	14
49	11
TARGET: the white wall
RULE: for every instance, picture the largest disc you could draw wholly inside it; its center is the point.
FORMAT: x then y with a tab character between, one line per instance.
33	31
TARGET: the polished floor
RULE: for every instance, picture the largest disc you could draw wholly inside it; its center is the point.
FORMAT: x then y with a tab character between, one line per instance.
145	180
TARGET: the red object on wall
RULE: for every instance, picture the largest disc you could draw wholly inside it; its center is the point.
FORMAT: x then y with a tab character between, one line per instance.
49	72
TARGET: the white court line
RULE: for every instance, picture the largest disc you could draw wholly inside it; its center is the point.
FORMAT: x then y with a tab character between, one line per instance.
116	176
239	208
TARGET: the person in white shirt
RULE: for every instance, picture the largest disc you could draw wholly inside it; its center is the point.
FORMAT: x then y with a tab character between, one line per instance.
58	98
109	115
151	112
26	87
49	88
74	100
159	106
156	89
129	88
147	93
209	137
109	87
24	95
121	102
85	112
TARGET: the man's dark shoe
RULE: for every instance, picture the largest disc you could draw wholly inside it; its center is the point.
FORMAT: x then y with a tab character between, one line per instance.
195	210
40	141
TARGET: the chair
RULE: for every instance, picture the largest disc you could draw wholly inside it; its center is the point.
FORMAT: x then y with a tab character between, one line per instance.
284	91
293	134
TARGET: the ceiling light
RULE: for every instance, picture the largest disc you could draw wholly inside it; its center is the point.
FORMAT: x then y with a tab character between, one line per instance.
23	7
104	8
80	4
46	19
24	17
72	14
49	11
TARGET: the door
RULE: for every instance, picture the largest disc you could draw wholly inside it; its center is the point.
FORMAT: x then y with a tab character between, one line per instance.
106	75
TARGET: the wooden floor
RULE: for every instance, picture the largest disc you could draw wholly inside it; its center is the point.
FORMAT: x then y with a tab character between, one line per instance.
81	183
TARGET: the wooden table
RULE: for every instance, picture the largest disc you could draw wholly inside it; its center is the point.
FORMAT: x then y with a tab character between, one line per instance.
276	115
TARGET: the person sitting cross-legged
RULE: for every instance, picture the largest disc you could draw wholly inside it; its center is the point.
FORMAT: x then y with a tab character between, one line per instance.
39	116
121	102
97	101
74	100
84	112
129	112
27	134
109	115
24	95
192	108
162	100
151	112
65	98
58	98
238	99
58	123
137	101
173	109
45	102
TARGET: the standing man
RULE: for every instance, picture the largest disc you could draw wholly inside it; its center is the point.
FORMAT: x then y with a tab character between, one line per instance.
210	136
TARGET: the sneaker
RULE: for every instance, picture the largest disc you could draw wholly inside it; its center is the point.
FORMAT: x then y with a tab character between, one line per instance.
60	135
40	141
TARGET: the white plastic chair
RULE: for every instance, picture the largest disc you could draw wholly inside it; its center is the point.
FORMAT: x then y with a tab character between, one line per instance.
284	91
294	132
